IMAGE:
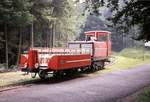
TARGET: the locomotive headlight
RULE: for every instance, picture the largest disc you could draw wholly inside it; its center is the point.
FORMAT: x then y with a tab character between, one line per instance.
36	65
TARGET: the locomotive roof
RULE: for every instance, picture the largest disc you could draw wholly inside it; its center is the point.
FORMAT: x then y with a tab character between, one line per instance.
81	42
98	31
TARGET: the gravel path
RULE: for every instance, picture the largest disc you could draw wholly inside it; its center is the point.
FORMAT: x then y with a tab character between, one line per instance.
103	88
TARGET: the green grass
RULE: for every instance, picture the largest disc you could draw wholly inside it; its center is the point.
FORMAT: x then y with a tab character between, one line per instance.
128	58
144	96
123	63
14	78
126	62
135	53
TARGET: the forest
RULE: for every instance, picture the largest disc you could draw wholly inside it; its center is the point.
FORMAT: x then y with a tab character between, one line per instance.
51	23
26	23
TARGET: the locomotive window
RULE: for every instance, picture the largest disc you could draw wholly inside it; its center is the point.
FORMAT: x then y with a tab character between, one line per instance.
74	46
102	38
88	38
87	48
25	52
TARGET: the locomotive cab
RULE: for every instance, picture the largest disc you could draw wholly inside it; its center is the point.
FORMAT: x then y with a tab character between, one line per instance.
101	43
97	43
101	36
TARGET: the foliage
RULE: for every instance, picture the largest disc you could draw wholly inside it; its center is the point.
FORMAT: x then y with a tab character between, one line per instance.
134	12
93	6
60	20
127	13
51	19
15	12
66	22
144	96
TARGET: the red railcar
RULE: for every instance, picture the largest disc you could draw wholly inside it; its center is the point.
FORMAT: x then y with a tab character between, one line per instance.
91	53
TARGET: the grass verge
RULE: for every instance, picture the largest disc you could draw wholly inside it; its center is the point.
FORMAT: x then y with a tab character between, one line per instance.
123	63
14	78
128	58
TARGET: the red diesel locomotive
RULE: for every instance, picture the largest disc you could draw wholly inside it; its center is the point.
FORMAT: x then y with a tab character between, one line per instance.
91	53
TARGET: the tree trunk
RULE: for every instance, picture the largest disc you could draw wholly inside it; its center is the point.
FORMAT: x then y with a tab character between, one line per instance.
54	34
32	35
19	46
50	35
122	40
6	45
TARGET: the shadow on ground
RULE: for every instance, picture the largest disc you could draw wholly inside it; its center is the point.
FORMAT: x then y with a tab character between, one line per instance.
53	80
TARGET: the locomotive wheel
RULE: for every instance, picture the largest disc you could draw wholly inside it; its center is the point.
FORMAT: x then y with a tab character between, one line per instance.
33	75
96	67
58	74
93	68
42	74
102	65
69	72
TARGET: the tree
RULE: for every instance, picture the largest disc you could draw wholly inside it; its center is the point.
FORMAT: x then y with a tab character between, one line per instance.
54	14
131	12
134	12
47	16
14	13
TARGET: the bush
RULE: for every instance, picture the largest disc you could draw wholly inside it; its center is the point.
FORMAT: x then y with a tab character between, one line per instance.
145	96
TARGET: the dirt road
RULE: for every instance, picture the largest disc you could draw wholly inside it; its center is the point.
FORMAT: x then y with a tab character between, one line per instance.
103	88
